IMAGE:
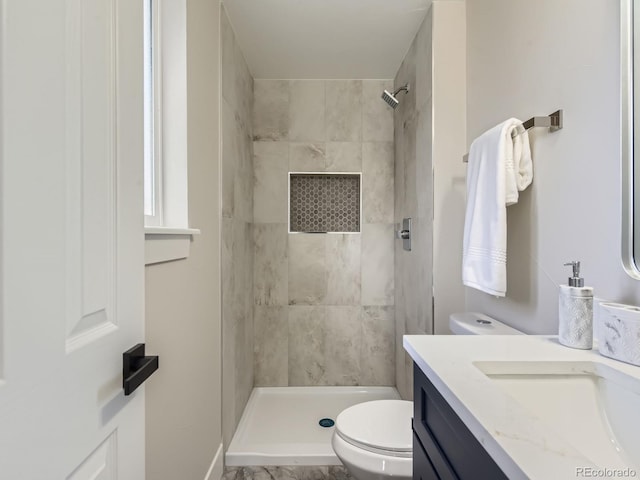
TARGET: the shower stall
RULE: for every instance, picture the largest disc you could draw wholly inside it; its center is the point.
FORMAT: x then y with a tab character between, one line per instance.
314	310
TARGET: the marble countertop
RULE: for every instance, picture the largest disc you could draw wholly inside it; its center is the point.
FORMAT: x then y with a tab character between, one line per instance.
522	444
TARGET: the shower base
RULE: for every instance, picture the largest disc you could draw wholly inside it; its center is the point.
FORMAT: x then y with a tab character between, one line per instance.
280	425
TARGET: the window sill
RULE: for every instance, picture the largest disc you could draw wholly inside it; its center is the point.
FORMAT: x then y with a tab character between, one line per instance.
164	244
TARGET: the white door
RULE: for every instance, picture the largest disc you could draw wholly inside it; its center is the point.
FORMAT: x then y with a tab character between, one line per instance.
71	240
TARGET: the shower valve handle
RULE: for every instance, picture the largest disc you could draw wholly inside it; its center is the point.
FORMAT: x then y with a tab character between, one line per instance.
403	234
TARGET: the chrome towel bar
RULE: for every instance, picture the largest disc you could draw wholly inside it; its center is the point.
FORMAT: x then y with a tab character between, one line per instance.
553	122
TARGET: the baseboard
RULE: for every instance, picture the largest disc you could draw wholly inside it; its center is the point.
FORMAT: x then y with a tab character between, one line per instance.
217	466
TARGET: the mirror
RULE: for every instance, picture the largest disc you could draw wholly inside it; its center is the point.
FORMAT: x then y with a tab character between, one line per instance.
630	108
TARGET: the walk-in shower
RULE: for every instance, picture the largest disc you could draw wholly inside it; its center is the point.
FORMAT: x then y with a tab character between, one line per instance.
391	99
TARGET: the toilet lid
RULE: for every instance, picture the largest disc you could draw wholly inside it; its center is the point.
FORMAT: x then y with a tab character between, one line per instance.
380	424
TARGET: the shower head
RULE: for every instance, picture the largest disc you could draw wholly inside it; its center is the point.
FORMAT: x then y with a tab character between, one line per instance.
391	99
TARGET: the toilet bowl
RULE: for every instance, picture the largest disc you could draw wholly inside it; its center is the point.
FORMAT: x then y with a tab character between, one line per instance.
374	440
472	323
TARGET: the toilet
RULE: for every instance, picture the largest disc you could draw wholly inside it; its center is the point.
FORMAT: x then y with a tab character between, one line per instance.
472	323
374	440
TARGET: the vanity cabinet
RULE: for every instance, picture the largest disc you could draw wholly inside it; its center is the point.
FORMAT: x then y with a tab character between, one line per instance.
443	447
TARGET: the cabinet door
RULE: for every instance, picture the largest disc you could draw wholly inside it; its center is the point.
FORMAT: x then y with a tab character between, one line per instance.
454	451
422	468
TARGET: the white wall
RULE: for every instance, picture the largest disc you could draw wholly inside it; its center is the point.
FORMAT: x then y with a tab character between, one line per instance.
183	398
449	173
529	58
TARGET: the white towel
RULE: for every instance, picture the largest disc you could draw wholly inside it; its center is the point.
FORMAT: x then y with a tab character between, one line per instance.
499	167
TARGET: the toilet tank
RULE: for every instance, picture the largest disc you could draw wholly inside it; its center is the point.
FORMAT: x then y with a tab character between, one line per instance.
472	323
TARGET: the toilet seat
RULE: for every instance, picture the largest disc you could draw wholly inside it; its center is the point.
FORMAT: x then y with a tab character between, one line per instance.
380	426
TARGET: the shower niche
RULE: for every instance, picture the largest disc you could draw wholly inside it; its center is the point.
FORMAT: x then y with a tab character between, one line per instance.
325	202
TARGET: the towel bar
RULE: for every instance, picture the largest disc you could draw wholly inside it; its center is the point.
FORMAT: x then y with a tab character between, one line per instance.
553	122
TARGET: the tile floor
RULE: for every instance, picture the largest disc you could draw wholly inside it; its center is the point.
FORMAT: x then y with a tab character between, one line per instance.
287	473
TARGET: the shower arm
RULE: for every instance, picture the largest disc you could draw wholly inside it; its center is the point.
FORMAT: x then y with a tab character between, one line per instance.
405	88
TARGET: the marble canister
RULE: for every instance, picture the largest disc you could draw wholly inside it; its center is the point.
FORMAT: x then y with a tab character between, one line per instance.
619	332
575	312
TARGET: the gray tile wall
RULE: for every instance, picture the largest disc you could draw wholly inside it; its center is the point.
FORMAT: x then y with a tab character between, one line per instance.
414	198
323	304
238	233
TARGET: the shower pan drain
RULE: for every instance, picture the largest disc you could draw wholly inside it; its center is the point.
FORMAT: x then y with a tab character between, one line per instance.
326	422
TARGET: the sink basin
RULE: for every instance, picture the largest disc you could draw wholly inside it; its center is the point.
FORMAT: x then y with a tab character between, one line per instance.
592	406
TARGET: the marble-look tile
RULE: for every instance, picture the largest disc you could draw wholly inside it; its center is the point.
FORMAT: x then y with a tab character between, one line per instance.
409	184
270	160
271	110
398	173
344	110
377	264
237	83
242	262
308	274
377	354
244	89
332	472
270	272
424	52
343	269
411	291
228	64
377	182
401	372
344	156
243	372
424	167
408	370
242	313
228	330
343	338
229	152
244	175
407	75
237	167
422	269
338	473
226	264
271	346
306	111
377	116
307	336
307	157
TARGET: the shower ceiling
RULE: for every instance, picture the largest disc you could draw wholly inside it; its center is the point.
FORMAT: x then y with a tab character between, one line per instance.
325	38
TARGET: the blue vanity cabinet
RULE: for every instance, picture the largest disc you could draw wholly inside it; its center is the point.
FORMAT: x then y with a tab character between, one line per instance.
443	447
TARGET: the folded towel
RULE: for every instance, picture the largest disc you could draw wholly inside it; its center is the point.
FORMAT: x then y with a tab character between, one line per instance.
499	167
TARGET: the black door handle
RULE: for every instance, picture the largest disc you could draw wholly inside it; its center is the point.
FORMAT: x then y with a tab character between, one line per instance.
136	368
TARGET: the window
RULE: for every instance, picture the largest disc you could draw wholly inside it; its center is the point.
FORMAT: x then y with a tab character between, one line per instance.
167	231
152	158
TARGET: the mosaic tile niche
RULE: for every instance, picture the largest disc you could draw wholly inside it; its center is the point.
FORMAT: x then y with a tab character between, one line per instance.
321	203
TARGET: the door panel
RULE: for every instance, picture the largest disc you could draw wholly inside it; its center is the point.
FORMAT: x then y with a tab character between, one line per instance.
100	464
91	169
71	239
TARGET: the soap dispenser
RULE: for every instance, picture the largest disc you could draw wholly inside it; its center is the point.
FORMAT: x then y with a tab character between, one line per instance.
575	309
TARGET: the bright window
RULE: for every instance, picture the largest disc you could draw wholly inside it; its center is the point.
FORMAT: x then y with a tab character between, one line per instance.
166	212
152	152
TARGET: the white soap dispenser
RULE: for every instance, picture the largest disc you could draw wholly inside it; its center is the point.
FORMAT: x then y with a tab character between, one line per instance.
575	309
